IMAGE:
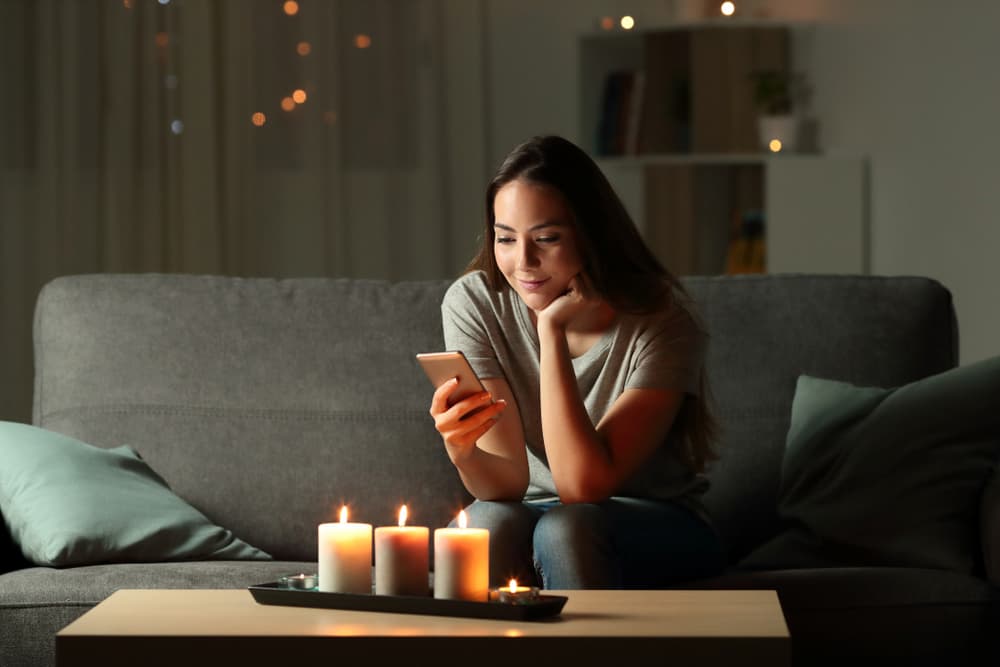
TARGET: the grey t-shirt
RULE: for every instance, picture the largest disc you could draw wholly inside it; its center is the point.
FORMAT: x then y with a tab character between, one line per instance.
660	351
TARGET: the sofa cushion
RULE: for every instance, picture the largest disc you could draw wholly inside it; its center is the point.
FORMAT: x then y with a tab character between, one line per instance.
887	476
68	503
37	602
767	330
264	403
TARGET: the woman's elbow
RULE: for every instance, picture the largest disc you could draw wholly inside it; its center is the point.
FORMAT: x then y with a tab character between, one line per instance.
584	491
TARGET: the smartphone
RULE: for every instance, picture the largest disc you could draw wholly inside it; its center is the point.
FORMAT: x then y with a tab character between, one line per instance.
443	366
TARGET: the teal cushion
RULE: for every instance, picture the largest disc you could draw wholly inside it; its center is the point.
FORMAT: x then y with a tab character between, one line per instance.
68	503
876	476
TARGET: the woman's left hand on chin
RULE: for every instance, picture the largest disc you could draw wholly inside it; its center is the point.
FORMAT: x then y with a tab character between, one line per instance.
576	299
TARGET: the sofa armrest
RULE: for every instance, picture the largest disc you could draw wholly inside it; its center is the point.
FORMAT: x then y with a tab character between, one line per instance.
989	517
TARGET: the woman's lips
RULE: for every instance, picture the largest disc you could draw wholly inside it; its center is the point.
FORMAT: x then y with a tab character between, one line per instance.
531	285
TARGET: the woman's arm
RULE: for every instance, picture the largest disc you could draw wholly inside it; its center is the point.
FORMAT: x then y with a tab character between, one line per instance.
590	463
487	447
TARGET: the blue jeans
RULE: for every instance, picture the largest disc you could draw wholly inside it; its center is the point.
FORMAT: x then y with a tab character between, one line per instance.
618	543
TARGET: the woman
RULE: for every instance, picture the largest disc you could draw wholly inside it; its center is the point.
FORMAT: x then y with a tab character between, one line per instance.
586	467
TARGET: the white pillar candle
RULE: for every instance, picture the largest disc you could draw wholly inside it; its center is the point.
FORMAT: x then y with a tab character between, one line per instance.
401	555
345	556
462	562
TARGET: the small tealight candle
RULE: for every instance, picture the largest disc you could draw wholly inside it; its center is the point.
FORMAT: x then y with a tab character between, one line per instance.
302	582
514	594
345	556
462	562
401	555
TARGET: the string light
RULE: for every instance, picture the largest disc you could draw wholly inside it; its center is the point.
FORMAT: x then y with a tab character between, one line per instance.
287	104
162	39
607	23
775	145
299	96
303	48
258	119
291	7
727	8
362	41
627	22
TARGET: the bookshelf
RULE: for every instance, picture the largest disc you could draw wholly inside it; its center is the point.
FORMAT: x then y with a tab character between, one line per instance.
684	153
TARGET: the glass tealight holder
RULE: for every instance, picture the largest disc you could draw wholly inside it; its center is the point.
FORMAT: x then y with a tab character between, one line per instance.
299	582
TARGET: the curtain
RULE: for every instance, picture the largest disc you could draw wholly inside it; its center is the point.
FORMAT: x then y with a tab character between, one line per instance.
239	137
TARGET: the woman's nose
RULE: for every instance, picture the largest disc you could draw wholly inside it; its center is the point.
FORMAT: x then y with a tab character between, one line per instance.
527	256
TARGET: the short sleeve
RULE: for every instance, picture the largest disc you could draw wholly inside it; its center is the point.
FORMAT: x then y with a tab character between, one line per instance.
670	353
470	322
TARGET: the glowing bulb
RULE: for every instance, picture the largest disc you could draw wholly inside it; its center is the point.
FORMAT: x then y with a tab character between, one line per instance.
512	585
463	521
774	145
607	23
727	8
362	41
291	7
287	104
299	96
258	119
402	516
628	22
343	514
303	48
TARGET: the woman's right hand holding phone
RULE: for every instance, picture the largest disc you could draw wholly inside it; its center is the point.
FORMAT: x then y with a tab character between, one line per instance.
463	423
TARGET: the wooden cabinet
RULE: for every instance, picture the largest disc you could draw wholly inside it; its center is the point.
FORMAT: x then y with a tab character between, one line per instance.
671	117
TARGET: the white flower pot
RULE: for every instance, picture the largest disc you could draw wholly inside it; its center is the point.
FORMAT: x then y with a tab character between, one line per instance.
778	134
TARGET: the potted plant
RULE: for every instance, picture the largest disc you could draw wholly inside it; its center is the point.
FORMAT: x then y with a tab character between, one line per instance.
775	93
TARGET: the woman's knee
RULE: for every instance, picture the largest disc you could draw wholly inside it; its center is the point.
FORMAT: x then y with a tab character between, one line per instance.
500	517
570	527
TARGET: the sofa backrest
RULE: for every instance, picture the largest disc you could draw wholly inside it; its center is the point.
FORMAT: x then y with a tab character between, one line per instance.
268	403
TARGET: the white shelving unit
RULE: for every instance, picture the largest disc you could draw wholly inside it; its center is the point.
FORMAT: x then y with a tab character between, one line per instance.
697	168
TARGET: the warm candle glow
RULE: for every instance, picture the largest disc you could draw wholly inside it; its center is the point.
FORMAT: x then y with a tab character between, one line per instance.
343	514
402	515
463	521
513	585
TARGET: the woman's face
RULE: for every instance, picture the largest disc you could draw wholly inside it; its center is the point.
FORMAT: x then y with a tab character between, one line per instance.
535	242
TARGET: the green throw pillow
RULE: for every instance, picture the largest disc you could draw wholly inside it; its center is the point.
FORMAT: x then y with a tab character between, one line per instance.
887	476
68	503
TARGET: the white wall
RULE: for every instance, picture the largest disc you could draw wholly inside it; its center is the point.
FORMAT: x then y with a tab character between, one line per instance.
912	84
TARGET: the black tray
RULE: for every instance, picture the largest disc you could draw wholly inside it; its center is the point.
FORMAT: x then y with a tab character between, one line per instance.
542	607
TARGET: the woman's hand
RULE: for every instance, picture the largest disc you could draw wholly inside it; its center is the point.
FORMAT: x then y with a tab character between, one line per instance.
577	298
463	423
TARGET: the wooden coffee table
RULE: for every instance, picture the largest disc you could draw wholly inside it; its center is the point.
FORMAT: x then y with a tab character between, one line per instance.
607	628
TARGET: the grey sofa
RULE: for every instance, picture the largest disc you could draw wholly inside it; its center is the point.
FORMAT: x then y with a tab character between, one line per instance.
267	403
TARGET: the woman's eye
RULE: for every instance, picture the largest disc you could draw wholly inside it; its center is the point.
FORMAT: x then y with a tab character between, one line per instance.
547	239
504	239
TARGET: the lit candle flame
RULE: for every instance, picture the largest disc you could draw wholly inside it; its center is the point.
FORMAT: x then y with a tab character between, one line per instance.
343	514
513	585
402	515
462	520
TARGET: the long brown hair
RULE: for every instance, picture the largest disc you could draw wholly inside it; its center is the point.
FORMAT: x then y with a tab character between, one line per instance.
619	265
